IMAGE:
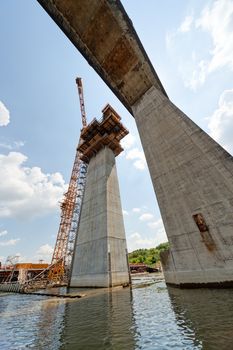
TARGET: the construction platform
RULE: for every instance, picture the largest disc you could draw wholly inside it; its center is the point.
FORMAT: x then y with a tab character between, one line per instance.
21	271
99	134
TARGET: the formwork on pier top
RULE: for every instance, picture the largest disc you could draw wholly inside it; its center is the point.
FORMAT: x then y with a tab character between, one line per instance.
99	134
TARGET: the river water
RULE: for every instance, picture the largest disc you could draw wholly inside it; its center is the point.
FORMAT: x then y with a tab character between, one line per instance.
148	316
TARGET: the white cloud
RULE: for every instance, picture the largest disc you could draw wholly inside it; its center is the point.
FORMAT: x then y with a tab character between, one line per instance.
136	241
146	217
44	252
186	24
139	164
128	141
138	156
170	39
217	20
45	249
5	145
133	153
13	259
156	234
19	144
3	233
125	212
136	210
208	43
27	192
197	76
4	115
221	122
20	258
158	226
135	235
15	145
10	242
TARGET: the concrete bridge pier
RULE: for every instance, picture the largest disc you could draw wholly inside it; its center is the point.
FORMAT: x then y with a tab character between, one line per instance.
100	258
193	181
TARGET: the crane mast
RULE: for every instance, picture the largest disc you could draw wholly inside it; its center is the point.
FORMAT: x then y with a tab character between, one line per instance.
81	100
70	210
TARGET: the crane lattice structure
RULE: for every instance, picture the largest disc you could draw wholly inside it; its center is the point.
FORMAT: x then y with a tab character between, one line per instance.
70	211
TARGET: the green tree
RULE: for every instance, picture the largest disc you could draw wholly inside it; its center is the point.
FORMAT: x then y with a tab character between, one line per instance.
148	256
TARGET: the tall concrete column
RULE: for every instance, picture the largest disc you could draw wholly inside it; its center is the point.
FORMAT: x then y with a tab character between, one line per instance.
100	257
193	180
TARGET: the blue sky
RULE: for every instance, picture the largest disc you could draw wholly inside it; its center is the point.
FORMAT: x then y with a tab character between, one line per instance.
190	44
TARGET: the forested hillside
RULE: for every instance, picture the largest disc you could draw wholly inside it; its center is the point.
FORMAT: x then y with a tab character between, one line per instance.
148	256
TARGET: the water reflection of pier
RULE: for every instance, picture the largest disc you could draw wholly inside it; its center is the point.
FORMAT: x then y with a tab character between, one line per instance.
104	321
206	312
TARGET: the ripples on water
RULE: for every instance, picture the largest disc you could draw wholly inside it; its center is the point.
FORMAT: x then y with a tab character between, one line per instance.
148	317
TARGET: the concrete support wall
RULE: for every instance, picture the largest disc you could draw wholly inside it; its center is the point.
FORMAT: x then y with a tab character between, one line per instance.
100	258
191	175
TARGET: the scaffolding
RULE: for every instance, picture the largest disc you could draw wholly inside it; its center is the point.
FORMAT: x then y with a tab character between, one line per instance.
70	210
70	214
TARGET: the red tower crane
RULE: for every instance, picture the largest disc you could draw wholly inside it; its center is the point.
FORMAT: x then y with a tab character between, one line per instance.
81	100
70	210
